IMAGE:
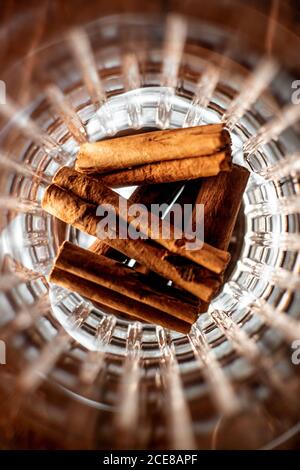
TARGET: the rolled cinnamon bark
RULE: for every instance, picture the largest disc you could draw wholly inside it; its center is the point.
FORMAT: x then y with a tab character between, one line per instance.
71	209
221	196
117	301
119	278
169	171
150	147
89	189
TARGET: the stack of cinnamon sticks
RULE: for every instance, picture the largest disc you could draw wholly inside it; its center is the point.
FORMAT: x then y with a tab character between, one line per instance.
159	161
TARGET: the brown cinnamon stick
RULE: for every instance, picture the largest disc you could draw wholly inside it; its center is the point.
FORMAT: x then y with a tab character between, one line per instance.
119	278
157	146
221	196
169	171
89	189
117	301
71	209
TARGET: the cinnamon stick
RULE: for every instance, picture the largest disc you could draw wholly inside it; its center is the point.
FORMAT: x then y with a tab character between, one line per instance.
169	171
117	301
221	196
119	278
157	146
71	209
88	189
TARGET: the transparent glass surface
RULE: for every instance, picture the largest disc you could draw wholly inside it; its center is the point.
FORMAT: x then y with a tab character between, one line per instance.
74	366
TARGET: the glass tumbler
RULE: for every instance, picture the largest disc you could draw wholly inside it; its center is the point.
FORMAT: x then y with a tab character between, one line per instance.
76	375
